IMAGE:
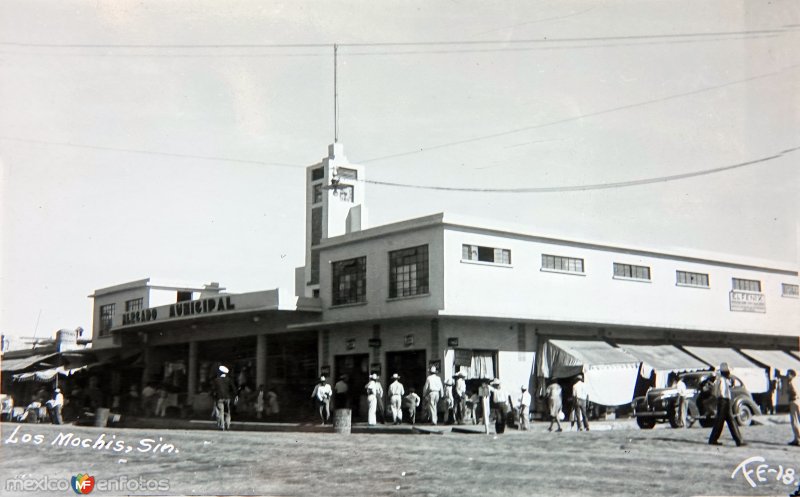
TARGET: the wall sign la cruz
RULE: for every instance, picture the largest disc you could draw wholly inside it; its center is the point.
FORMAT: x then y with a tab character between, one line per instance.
748	302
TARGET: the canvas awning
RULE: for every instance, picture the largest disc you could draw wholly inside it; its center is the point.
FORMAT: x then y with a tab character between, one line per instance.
39	361
45	375
752	375
663	359
609	373
777	359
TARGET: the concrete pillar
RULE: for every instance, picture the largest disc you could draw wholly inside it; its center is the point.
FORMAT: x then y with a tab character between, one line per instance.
261	360
191	384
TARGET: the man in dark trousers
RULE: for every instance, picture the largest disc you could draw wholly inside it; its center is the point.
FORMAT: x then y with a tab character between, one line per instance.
722	391
224	392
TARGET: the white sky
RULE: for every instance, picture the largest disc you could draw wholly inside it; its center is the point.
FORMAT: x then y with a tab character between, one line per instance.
609	91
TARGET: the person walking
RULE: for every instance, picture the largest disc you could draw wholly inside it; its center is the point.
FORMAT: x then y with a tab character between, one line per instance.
553	394
581	398
448	402
459	398
55	405
396	393
501	405
722	391
524	405
432	391
793	389
410	404
372	388
224	392
322	398
484	393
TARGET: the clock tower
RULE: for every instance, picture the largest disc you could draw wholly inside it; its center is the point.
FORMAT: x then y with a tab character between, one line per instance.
334	206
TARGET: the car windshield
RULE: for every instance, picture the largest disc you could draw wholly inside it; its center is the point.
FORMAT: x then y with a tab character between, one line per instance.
693	381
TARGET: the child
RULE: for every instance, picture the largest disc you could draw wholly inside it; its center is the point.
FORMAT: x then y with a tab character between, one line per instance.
410	404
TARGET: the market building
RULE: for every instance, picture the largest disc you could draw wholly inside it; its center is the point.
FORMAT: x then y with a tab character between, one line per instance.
478	297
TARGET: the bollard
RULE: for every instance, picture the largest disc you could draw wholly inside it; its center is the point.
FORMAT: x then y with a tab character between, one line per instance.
101	417
341	421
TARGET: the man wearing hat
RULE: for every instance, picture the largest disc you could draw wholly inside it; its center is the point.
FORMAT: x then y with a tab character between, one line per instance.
459	398
580	397
722	391
54	405
448	402
373	389
432	391
524	403
396	392
501	405
322	397
224	391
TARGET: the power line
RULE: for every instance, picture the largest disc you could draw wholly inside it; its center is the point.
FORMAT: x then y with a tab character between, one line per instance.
596	186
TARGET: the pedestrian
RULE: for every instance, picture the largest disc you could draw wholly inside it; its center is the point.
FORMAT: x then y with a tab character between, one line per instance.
161	404
322	397
410	404
459	398
722	391
224	392
581	398
680	388
149	398
471	406
340	389
524	404
484	392
553	394
380	407
396	393
273	408
260	402
769	396
793	389
432	392
501	405
448	402
372	388
55	405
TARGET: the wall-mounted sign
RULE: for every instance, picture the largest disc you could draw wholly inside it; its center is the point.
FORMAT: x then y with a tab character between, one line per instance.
452	342
374	342
409	341
350	344
748	302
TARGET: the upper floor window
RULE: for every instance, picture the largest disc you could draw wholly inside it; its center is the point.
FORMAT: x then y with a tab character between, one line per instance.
106	318
485	254
349	281
685	278
789	290
631	271
408	272
747	285
317	190
317	174
558	263
134	304
346	173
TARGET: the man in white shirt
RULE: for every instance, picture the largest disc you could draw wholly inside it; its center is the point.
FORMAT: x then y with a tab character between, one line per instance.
524	403
322	397
459	398
431	392
396	392
581	398
55	405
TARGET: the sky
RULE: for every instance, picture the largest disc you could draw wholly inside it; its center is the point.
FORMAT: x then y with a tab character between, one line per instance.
169	139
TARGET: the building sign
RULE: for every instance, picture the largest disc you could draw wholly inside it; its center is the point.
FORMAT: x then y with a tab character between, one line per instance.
409	340
374	342
452	342
748	302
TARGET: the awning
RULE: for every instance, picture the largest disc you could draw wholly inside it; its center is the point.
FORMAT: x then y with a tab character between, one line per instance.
752	375
663	359
609	373
776	359
40	361
44	376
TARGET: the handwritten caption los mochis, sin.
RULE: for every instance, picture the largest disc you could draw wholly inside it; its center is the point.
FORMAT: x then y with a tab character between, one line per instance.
102	442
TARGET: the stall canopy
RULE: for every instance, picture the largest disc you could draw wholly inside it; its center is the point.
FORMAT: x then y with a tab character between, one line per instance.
777	359
753	376
40	361
44	376
663	359
610	373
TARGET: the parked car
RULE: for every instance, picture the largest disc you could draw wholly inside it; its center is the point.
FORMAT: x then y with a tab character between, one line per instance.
661	404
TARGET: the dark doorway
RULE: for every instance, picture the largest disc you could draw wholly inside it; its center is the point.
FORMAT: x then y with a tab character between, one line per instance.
411	366
356	367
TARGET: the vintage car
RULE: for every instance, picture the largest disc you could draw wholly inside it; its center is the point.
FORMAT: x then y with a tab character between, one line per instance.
661	404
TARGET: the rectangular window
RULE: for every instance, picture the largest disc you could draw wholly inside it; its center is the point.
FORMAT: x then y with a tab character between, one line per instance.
317	174
316	225
685	278
631	271
408	272
485	254
747	285
106	318
184	296
346	173
314	268
349	281
317	189
789	290
558	263
134	304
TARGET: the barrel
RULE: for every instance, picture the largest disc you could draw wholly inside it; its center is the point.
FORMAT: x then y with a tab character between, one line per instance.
101	417
341	421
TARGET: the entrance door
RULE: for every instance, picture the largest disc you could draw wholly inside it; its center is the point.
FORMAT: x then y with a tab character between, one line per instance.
356	367
410	365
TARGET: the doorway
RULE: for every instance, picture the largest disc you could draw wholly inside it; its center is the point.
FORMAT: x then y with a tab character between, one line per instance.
411	366
356	367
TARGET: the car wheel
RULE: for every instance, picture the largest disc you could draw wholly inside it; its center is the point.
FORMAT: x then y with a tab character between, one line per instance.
744	415
646	423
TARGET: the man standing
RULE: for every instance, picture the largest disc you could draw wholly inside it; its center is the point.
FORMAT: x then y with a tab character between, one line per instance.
432	391
380	407
411	403
581	399
322	397
55	405
501	405
524	403
396	392
680	386
459	398
224	391
793	389
372	388
722	391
